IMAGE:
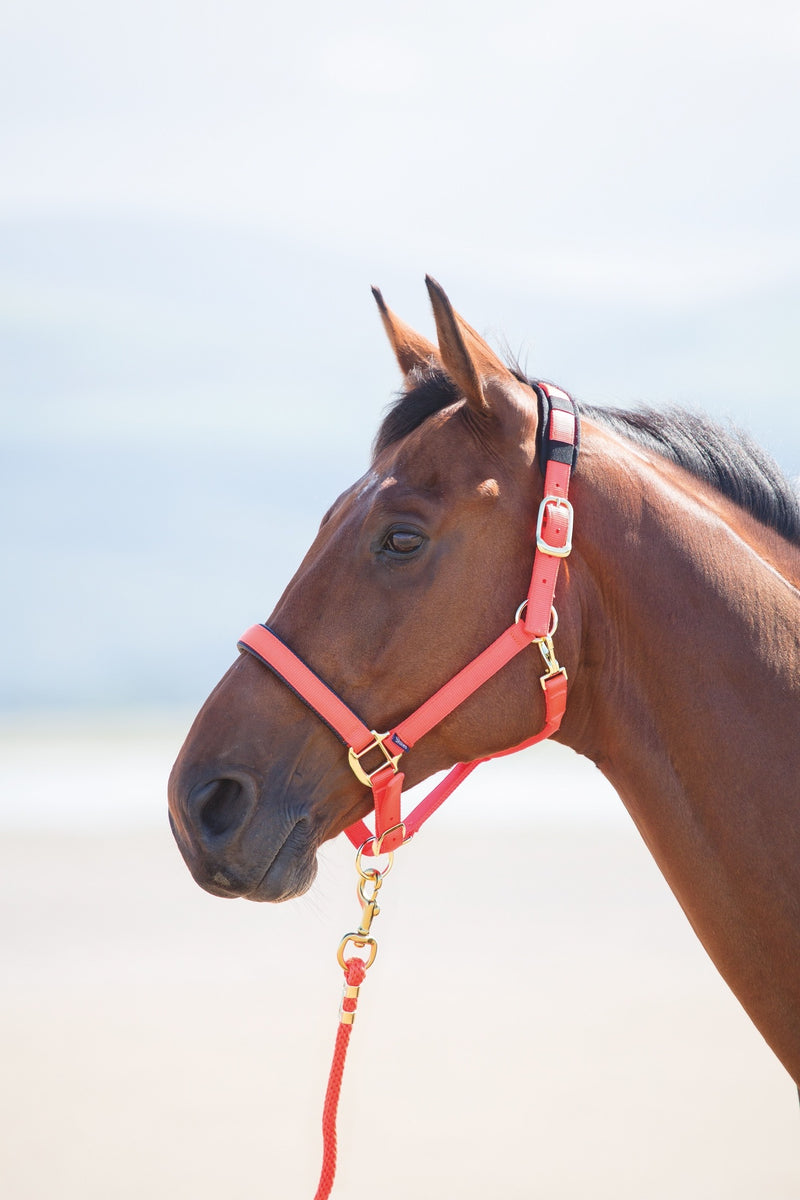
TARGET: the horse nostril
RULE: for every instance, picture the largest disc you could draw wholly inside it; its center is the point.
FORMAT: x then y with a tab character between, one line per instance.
219	805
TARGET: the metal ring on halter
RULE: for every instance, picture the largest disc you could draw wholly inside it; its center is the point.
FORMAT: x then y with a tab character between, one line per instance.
371	872
553	619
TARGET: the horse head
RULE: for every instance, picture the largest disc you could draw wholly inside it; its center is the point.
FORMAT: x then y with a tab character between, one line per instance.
414	570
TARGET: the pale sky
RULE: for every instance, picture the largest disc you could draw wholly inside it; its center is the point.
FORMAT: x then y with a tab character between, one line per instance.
194	201
648	150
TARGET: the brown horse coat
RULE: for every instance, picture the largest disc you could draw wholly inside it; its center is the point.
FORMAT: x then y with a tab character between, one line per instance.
679	627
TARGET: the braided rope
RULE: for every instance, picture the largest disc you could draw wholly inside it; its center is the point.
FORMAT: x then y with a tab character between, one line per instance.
355	970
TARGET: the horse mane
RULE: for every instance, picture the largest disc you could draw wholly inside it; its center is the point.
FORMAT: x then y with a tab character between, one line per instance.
725	458
429	392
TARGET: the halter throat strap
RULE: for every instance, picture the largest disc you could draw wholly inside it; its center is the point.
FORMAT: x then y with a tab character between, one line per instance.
373	756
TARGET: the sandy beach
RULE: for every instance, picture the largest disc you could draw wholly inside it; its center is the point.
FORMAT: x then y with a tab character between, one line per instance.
540	1020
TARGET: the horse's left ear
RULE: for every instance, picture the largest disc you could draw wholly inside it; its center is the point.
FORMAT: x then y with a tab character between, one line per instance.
466	357
411	349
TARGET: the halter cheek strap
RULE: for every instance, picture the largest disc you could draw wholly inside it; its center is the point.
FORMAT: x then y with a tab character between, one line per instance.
373	756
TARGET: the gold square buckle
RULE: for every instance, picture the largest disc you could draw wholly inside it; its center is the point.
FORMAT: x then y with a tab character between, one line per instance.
377	743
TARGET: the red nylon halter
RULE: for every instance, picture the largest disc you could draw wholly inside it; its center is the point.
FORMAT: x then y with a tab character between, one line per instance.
553	542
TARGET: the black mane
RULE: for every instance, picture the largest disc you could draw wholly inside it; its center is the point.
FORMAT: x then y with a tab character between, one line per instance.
432	391
726	458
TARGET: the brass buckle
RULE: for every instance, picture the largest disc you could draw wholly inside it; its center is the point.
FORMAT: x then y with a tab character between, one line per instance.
354	757
541	544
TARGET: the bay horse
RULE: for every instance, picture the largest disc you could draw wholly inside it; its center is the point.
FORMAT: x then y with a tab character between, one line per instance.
678	630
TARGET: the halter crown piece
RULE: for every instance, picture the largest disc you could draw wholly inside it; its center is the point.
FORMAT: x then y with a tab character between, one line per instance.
535	622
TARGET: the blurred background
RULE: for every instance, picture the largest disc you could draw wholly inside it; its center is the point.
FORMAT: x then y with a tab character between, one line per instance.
194	202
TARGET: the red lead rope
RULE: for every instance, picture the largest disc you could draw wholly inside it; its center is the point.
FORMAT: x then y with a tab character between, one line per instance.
371	878
355	970
538	625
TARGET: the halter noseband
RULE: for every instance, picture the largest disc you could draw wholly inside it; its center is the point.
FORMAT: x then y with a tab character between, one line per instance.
535	622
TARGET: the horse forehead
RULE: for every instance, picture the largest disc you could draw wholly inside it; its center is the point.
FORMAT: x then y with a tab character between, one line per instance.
376	481
441	456
387	486
397	482
369	484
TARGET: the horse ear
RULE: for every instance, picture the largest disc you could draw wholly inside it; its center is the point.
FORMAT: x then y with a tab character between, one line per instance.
411	349
466	357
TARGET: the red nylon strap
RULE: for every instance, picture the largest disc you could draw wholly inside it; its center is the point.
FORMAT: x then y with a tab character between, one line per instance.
555	700
462	685
263	644
555	525
387	784
554	528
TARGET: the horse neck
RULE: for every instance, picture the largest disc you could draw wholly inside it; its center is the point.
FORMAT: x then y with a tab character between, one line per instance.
688	702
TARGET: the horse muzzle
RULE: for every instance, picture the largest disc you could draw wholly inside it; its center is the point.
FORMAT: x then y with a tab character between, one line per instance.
235	844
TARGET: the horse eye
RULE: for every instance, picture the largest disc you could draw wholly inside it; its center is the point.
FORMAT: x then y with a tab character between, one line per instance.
402	542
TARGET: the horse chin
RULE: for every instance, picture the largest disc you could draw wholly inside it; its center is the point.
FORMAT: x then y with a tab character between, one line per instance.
289	874
290	871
